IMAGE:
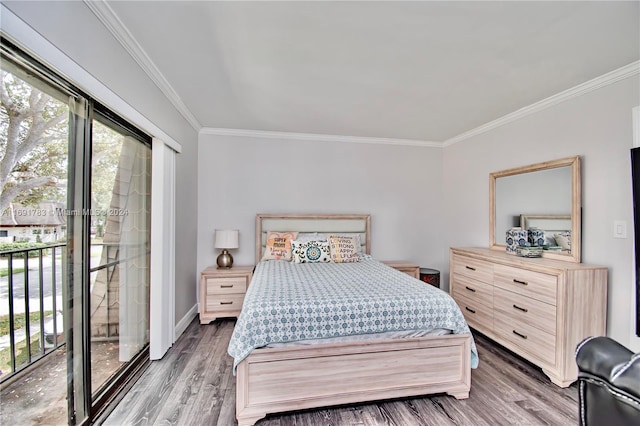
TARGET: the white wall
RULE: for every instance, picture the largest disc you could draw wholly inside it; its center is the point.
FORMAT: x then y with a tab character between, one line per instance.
76	32
400	186
598	127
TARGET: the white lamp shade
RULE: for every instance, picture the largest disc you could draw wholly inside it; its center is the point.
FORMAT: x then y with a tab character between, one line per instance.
226	238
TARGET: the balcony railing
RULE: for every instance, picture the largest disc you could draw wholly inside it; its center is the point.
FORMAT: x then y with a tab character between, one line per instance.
30	306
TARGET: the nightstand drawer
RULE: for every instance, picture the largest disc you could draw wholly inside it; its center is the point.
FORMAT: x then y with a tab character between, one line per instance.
539	286
225	303
226	285
406	267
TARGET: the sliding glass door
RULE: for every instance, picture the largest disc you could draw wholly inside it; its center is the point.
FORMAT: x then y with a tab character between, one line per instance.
88	313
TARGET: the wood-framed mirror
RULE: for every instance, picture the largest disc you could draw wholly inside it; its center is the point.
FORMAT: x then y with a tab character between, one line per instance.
543	194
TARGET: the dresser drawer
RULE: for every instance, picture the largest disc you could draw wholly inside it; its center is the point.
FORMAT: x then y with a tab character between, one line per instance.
538	344
475	290
473	268
477	315
539	286
225	303
525	309
226	285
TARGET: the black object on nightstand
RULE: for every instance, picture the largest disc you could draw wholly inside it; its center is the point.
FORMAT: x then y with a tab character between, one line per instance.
430	276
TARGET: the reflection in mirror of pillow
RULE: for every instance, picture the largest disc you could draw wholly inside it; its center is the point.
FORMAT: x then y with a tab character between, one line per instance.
563	239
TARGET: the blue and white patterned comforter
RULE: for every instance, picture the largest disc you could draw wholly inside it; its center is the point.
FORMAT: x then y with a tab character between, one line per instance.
294	301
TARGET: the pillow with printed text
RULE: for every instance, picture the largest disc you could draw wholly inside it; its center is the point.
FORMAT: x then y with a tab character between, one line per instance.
344	249
278	245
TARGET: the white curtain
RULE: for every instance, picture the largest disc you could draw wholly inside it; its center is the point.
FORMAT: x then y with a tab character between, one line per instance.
162	315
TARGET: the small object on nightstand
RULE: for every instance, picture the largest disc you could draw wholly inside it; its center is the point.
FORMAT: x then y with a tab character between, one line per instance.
226	239
430	276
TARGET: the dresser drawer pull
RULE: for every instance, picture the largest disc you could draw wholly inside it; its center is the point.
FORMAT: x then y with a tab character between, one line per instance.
470	268
520	282
518	334
226	303
520	309
226	286
470	289
470	310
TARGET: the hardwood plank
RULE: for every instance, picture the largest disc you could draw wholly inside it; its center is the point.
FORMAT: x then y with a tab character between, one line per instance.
194	385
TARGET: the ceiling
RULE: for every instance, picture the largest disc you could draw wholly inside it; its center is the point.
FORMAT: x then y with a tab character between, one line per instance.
424	71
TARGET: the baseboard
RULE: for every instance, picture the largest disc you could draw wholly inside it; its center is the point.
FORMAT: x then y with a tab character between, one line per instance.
182	325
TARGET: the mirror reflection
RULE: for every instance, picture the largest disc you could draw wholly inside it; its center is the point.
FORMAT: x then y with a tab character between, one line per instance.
544	197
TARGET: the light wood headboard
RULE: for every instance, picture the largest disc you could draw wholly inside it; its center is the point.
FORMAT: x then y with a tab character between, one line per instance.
323	223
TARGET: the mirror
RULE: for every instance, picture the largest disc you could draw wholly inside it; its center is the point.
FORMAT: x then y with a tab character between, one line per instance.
546	196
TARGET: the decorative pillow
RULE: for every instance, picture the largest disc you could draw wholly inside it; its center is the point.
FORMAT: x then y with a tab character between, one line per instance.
279	245
563	239
344	248
549	239
310	252
358	242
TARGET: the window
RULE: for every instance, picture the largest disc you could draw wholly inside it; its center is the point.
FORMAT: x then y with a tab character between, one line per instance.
88	173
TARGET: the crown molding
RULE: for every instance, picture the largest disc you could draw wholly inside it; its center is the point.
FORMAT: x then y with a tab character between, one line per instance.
579	90
265	134
112	22
33	42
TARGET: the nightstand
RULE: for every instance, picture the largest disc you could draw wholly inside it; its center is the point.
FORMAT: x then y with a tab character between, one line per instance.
222	292
406	267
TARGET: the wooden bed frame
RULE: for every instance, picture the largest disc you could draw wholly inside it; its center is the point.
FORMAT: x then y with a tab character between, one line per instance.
274	380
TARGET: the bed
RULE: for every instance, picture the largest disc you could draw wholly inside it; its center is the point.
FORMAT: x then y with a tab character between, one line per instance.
274	375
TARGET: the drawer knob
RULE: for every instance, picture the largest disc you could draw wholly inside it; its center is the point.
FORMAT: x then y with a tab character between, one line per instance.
520	282
470	289
226	303
470	268
518	334
520	309
470	310
226	286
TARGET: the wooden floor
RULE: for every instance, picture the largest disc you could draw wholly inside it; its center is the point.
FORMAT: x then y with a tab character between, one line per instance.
194	385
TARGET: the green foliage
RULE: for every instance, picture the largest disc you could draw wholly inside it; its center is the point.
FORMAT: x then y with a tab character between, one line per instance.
42	125
22	356
20	246
5	272
19	321
107	145
30	118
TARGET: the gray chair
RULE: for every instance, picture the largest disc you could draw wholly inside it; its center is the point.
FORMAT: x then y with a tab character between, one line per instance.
608	383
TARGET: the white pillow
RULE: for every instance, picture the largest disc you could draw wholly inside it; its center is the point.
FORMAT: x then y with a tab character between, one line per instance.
304	237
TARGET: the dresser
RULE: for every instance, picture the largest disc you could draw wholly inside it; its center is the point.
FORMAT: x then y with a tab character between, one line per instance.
538	308
222	291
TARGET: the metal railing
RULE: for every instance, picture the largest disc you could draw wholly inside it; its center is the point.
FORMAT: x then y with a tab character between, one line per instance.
36	272
39	269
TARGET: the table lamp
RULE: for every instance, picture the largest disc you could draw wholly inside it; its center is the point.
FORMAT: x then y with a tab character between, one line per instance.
226	239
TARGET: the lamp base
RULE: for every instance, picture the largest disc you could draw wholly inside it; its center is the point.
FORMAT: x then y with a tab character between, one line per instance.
225	260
